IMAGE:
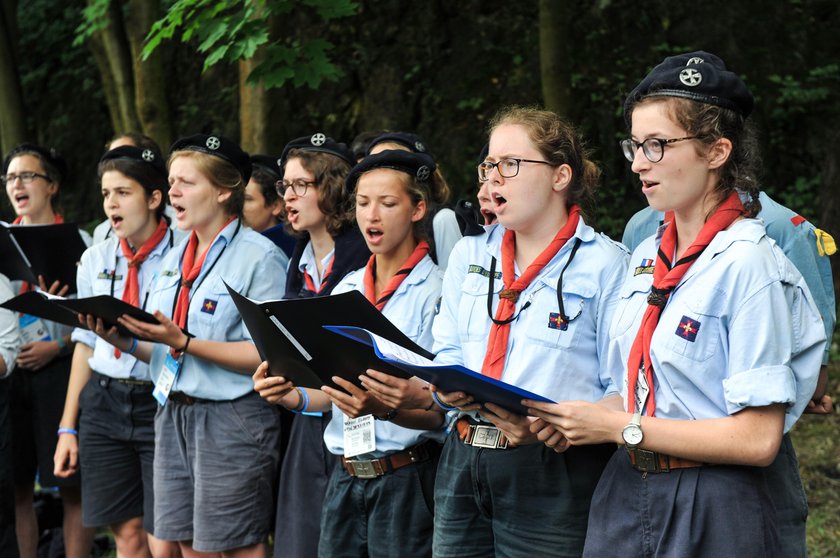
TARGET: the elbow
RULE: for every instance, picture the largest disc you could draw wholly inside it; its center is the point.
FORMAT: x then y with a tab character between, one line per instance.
763	451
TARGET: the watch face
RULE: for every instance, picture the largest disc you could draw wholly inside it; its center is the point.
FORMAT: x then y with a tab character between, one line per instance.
632	435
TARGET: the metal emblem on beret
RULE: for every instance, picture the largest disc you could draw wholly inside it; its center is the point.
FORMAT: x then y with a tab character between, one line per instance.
418	145
318	139
694	60
423	173
213	143
148	155
690	77
280	162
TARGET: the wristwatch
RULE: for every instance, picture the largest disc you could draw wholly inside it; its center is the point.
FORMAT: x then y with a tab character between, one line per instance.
387	416
632	433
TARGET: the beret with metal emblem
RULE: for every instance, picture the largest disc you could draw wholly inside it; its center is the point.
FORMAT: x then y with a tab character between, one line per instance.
218	146
318	143
147	156
484	151
412	142
269	163
419	165
699	76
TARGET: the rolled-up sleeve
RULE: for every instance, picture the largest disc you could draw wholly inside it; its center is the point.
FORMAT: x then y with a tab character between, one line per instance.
9	333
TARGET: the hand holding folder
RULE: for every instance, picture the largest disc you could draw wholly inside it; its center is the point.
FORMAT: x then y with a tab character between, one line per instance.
448	378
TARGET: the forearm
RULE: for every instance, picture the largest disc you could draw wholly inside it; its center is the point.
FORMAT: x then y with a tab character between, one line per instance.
419	419
80	374
750	437
239	356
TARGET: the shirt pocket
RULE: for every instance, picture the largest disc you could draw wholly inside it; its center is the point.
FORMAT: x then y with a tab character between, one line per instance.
631	306
547	327
473	318
162	295
214	309
696	336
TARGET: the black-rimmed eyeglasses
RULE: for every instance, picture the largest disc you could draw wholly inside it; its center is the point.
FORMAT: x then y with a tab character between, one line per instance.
508	168
653	148
25	177
298	186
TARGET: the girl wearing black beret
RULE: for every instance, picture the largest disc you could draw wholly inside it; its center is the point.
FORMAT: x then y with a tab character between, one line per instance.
716	342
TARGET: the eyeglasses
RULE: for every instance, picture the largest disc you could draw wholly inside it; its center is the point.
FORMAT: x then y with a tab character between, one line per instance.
298	186
653	148
25	177
508	168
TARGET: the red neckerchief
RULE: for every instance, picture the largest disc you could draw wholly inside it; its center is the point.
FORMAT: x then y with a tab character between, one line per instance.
131	291
418	254
497	344
665	278
190	270
25	287
310	283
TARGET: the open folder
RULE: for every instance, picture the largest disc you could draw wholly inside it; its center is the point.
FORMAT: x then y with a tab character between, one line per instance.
289	334
66	310
53	251
447	377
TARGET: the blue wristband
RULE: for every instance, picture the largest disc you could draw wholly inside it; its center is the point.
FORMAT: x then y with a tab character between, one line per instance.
72	431
441	404
303	404
133	347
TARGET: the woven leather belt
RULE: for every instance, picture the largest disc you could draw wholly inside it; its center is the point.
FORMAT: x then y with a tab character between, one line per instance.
373	468
653	462
184	399
480	435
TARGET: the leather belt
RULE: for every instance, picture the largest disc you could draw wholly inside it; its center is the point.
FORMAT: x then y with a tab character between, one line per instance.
480	435
653	462
184	399
105	380
373	468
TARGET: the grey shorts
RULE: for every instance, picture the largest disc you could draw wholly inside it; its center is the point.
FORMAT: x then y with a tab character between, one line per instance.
116	449
215	467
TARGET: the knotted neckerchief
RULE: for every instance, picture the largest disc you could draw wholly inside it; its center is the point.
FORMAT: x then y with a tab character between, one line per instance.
416	256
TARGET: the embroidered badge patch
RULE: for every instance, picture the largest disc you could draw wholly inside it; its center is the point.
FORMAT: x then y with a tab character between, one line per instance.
645	267
688	328
481	271
108	274
209	306
556	322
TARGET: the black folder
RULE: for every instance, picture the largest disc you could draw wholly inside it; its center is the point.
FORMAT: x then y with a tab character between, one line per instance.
447	377
289	334
53	251
66	310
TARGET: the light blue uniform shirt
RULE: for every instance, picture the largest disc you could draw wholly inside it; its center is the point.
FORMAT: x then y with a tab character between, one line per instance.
412	309
542	357
248	262
9	336
740	330
798	241
103	271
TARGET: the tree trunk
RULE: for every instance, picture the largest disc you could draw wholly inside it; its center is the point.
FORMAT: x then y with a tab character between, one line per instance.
253	109
13	123
554	56
110	49
151	103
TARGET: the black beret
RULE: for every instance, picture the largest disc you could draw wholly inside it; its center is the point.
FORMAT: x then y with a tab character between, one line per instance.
410	141
319	143
147	156
267	162
48	154
699	76
220	147
417	165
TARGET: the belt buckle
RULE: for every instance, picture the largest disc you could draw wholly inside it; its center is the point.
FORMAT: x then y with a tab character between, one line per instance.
485	436
363	469
646	461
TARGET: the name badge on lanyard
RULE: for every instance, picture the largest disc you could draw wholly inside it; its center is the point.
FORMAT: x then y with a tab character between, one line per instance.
32	329
168	377
359	435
